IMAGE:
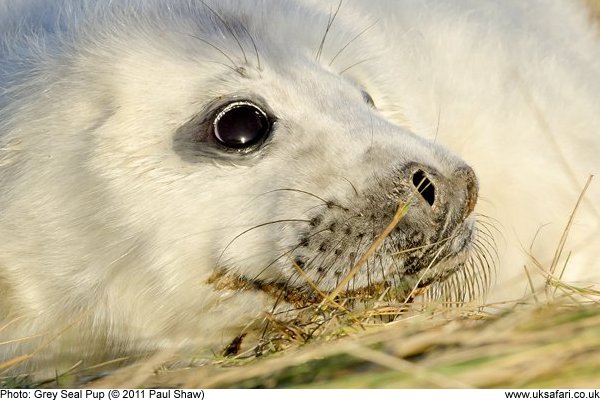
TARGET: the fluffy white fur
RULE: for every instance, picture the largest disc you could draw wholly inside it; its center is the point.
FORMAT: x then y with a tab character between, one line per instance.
107	236
513	88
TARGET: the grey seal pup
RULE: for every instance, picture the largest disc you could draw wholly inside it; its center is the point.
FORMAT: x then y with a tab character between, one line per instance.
146	146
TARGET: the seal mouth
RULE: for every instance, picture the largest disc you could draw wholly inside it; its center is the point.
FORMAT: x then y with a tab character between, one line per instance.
446	261
299	297
447	256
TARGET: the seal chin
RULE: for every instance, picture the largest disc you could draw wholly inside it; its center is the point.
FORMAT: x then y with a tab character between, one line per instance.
465	270
451	256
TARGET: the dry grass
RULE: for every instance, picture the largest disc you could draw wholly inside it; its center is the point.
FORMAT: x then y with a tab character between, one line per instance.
553	344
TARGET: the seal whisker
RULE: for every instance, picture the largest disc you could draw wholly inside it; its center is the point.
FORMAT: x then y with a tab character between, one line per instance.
340	51
352	185
480	270
488	222
343	71
236	70
465	280
328	27
349	182
422	275
421	247
486	229
228	27
450	292
279	221
485	232
437	126
484	248
258	66
485	265
449	289
488	246
325	202
233	66
473	278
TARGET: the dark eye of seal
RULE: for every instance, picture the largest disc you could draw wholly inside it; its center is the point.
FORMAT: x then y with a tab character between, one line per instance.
241	125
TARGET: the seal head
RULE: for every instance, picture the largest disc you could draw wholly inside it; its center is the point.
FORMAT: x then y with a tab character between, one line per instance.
139	158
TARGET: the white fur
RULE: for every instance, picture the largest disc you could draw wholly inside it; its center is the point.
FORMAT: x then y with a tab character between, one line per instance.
513	87
107	237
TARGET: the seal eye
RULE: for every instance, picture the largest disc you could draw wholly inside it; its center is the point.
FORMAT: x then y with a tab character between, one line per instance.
367	98
240	125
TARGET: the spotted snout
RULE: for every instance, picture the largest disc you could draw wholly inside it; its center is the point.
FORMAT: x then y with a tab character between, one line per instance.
433	237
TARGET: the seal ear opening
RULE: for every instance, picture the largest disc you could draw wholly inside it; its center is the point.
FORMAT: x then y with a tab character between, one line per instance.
367	98
424	186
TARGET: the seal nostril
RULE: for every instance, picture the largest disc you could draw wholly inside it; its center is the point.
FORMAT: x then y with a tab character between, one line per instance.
424	186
